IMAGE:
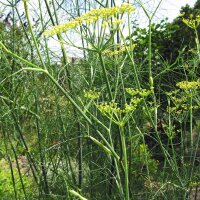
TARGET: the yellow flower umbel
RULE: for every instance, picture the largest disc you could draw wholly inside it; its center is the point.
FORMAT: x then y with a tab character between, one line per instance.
187	85
116	114
62	28
112	23
140	92
179	101
120	50
192	22
112	108
90	17
91	94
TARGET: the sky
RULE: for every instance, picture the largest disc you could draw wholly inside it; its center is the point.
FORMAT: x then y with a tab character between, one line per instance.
168	9
171	8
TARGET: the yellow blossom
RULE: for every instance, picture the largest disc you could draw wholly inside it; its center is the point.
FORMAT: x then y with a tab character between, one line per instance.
91	94
126	7
112	107
140	92
186	85
61	28
108	108
120	50
192	23
112	22
91	17
117	114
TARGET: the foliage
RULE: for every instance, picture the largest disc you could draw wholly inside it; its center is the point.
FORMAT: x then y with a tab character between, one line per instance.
6	183
99	127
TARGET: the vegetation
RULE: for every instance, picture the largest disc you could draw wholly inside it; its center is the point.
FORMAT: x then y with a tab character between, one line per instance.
122	122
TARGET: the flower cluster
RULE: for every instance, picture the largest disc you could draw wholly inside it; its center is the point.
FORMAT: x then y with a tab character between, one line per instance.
140	92
122	49
192	23
90	17
114	22
91	94
107	108
118	115
61	28
187	85
104	13
180	103
111	107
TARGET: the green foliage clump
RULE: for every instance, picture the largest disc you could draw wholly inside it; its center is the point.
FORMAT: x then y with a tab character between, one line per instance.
10	182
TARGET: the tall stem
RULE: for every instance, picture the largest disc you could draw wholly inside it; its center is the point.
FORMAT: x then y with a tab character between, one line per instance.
105	76
33	36
41	153
125	163
191	122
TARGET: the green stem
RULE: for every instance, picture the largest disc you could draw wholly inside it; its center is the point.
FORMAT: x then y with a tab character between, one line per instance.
41	151
125	163
16	56
191	122
193	158
150	56
43	28
151	80
19	171
197	43
10	162
32	35
105	76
